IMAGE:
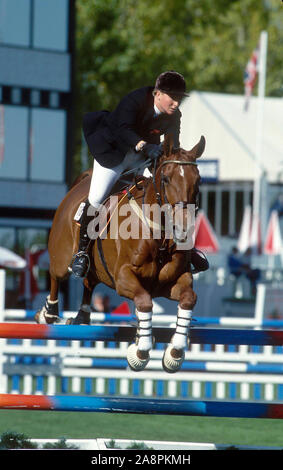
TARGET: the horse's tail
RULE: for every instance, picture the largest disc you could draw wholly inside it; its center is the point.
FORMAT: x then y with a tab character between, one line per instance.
81	177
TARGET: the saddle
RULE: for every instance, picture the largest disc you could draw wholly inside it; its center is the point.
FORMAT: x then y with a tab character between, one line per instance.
121	191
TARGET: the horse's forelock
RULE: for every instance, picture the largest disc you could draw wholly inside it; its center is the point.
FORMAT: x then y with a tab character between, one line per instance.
177	154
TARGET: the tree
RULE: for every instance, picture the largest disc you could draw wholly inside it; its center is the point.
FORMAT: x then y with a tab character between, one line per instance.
124	44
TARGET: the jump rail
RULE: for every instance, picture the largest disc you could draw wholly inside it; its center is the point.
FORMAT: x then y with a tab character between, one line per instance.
142	406
96	317
127	334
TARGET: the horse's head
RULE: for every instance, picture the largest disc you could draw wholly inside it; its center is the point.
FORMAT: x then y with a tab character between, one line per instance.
178	178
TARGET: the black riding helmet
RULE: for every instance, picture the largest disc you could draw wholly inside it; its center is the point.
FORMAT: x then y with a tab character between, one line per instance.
172	83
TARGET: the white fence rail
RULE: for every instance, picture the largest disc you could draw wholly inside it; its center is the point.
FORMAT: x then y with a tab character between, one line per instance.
70	368
51	367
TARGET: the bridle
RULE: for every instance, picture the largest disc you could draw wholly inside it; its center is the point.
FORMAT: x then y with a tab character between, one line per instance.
162	192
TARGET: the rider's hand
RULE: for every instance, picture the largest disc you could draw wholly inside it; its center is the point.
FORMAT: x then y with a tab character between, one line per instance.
153	150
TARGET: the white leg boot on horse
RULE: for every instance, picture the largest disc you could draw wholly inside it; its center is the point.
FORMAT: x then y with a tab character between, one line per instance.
175	352
138	352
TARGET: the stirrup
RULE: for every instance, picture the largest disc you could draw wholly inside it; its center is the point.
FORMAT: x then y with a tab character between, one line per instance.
79	254
195	270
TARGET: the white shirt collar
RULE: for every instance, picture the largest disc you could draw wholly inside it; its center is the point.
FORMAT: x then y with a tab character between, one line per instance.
157	111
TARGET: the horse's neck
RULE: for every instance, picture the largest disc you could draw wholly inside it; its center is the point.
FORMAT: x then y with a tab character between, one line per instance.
150	195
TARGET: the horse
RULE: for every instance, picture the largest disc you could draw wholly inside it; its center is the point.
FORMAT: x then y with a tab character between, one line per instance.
138	268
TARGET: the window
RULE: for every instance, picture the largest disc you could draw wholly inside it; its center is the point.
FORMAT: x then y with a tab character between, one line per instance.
16	95
35	97
239	210
48	145
13	142
50	24
32	238
15	22
7	238
32	143
211	207
225	199
49	28
23	241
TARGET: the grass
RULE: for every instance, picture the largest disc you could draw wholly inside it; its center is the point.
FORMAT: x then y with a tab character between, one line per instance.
76	425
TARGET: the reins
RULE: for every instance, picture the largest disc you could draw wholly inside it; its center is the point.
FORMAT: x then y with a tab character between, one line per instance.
161	194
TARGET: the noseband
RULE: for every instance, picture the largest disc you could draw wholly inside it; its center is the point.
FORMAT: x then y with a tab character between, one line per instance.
162	186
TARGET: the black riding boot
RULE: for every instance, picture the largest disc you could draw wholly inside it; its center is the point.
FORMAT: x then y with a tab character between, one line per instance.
199	261
80	264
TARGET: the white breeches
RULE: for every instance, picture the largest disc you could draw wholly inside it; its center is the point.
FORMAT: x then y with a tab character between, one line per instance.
103	179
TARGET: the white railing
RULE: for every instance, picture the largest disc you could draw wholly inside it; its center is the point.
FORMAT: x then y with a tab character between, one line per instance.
225	374
197	385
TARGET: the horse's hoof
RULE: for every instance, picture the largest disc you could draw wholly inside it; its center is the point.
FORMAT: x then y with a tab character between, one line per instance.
172	363
72	321
135	361
44	318
82	318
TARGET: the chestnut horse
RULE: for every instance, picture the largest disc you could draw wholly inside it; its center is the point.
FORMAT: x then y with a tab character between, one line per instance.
138	268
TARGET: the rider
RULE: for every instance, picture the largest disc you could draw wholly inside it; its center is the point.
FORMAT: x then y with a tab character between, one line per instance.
120	140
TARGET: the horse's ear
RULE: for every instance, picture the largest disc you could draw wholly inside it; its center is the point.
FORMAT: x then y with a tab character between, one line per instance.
168	144
198	149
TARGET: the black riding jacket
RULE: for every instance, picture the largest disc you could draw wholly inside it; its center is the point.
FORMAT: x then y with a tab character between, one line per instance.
110	135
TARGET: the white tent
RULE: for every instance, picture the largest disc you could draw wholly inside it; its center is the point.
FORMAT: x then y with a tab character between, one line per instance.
9	259
273	241
230	133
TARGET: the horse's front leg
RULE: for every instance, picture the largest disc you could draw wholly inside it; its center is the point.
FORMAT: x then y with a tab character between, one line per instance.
175	352
128	285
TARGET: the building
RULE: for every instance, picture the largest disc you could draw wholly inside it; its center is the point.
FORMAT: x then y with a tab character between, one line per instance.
230	162
36	94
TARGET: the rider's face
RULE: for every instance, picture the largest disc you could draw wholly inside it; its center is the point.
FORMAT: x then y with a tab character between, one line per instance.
167	104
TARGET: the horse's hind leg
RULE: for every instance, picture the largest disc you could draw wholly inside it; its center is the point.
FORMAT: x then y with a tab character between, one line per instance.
83	315
175	352
49	313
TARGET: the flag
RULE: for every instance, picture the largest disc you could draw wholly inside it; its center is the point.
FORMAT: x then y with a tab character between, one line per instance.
205	238
122	309
250	75
245	231
28	281
273	242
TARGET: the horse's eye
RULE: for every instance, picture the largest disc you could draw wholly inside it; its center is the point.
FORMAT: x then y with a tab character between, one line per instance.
166	179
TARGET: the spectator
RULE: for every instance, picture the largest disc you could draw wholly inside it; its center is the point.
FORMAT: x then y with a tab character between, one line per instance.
241	265
234	262
252	274
101	303
278	205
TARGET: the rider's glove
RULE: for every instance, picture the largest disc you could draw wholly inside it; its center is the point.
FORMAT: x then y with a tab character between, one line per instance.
152	150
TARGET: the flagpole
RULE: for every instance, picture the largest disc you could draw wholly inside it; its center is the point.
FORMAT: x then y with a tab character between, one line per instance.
259	206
